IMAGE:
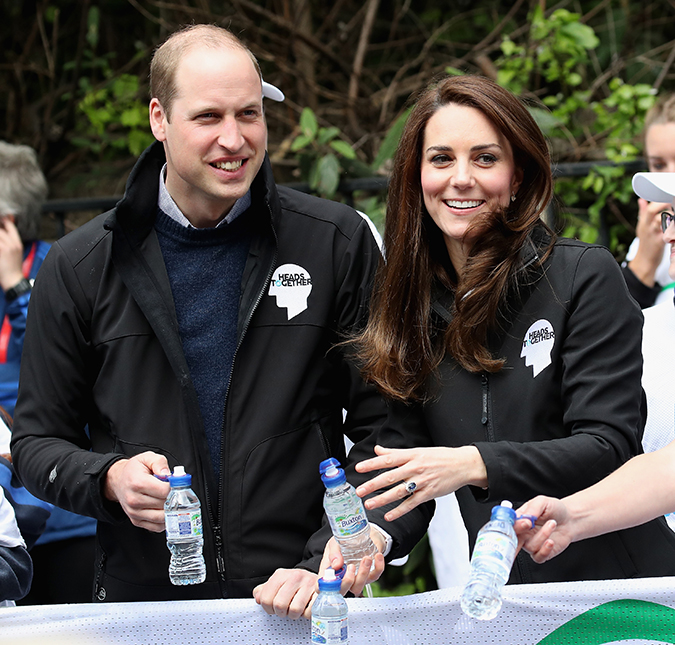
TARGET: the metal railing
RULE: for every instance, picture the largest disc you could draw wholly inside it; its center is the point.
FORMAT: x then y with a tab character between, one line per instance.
61	207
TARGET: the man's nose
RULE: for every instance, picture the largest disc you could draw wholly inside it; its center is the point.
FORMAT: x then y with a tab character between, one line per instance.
230	136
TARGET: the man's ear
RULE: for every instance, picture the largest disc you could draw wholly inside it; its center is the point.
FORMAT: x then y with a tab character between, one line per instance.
158	120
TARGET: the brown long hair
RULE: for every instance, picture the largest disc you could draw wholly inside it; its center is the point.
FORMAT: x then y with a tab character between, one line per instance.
399	347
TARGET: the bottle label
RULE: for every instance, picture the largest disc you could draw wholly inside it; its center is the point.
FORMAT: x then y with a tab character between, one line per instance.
495	550
330	630
347	517
183	524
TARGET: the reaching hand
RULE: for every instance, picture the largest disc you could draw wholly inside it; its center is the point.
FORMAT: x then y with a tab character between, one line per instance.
132	483
433	471
552	532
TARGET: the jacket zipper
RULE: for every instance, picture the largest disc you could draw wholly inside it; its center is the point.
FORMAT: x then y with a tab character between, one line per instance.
485	408
218	532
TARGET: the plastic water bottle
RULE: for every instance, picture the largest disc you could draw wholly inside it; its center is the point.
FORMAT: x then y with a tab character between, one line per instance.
329	612
183	518
491	562
346	514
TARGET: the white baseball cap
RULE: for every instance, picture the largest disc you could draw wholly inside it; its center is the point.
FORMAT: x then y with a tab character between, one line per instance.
655	186
271	92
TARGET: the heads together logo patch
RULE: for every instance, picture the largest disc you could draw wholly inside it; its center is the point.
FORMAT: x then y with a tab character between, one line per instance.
537	346
291	286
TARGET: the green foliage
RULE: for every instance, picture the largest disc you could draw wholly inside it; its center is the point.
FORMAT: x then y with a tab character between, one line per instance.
553	63
116	117
322	155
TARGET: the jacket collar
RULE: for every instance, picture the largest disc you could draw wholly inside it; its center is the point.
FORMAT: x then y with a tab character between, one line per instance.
135	213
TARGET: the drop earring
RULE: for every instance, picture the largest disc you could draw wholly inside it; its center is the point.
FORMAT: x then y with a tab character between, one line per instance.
513	197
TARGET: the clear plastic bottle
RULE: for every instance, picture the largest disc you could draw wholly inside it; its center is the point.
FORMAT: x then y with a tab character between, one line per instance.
183	518
491	562
329	612
346	514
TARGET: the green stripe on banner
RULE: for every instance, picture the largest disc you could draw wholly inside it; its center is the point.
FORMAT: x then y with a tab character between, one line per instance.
616	621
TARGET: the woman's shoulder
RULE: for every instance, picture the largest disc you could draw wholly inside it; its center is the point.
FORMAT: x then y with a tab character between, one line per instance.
571	250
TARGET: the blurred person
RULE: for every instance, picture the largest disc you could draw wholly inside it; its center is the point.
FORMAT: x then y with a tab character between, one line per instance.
511	358
196	322
63	557
23	189
647	260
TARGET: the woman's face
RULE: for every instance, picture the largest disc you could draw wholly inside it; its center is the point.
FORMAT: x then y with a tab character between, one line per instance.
467	173
660	147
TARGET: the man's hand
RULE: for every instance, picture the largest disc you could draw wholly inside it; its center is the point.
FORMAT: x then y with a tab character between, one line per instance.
288	592
132	483
11	254
292	592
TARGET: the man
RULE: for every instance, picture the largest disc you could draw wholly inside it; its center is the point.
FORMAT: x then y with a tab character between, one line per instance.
194	325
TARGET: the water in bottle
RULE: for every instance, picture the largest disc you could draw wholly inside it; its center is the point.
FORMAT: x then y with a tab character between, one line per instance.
346	514
183	518
329	612
491	563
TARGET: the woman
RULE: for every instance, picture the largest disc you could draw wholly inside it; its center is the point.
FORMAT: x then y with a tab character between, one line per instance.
511	358
646	268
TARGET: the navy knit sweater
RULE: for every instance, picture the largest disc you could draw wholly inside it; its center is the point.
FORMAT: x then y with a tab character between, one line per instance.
205	268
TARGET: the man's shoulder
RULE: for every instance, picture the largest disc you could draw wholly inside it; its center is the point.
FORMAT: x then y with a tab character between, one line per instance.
319	210
79	243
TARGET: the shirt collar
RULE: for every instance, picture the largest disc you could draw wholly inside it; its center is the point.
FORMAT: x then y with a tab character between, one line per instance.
168	206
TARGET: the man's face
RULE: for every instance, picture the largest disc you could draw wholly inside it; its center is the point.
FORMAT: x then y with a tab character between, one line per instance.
216	140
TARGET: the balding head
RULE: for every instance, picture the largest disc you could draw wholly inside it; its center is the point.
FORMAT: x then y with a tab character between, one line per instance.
169	54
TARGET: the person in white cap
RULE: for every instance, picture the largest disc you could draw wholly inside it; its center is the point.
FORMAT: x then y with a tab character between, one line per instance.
644	487
161	333
647	261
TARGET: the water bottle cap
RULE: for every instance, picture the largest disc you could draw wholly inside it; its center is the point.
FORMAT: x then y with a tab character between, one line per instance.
504	512
331	473
180	477
329	582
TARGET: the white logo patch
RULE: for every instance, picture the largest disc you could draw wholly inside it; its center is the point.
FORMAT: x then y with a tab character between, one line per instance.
537	346
291	286
52	475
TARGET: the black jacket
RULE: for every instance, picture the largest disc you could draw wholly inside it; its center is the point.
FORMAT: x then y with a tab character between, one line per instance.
103	350
562	429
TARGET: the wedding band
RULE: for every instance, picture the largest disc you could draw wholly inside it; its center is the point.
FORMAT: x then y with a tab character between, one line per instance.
410	487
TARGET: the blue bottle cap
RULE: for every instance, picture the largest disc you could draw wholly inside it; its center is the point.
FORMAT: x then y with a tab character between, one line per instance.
504	512
330	582
331	473
179	477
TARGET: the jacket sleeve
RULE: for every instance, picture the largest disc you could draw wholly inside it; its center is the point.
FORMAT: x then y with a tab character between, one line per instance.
645	296
50	446
601	397
365	409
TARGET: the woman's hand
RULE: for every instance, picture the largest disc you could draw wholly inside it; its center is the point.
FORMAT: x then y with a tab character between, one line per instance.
434	472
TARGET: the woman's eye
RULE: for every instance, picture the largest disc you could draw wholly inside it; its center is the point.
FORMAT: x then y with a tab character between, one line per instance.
487	158
439	160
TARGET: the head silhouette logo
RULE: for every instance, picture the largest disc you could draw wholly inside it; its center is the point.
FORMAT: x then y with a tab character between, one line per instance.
291	286
537	346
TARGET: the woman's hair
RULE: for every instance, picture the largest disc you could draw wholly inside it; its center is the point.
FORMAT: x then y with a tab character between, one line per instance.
23	188
400	347
663	111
